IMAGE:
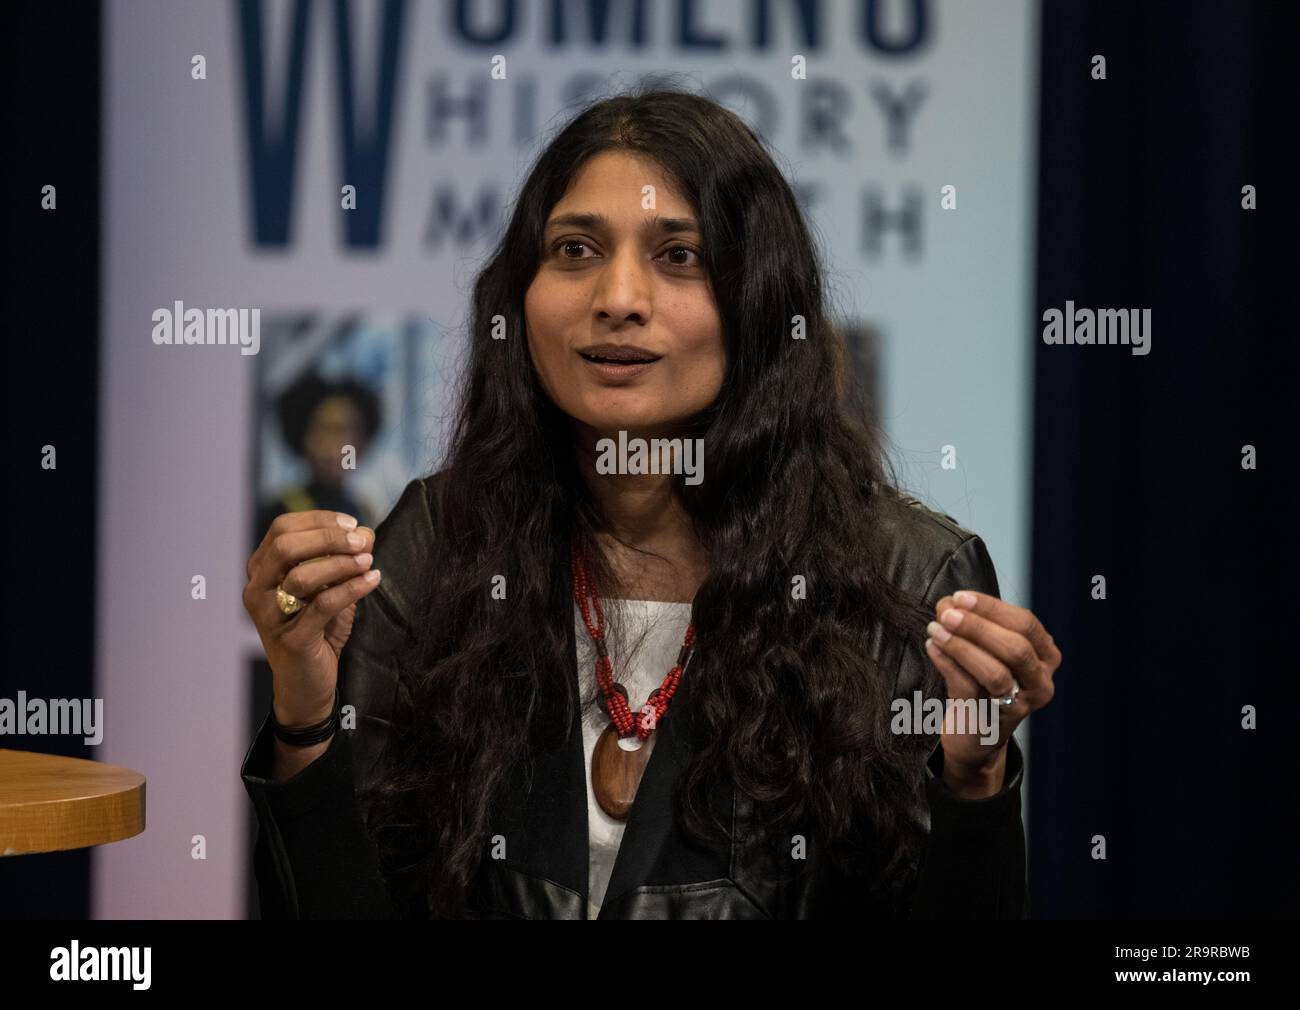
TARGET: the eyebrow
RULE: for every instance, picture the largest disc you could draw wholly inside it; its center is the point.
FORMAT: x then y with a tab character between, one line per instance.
597	222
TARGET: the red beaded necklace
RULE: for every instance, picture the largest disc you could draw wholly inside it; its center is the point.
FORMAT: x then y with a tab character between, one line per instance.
616	772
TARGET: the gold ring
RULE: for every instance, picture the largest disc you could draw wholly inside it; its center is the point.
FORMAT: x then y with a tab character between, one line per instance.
289	604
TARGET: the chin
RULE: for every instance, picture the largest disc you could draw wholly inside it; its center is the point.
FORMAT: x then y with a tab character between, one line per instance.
625	417
623	422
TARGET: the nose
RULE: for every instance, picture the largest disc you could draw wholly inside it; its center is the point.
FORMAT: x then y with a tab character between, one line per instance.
623	290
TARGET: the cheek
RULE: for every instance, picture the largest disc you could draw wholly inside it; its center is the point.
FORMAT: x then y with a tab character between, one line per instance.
546	319
532	316
703	352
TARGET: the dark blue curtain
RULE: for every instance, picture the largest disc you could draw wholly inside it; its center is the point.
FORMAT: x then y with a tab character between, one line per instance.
50	67
1137	463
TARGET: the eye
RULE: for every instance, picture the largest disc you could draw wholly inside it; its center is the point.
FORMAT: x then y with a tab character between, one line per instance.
680	249
565	244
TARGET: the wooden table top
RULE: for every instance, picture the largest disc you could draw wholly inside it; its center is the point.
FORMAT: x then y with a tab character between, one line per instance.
49	802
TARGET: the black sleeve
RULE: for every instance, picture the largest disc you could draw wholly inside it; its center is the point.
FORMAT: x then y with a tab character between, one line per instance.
315	857
973	864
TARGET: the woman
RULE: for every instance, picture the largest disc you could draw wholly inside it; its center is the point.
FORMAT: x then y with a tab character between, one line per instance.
318	418
656	281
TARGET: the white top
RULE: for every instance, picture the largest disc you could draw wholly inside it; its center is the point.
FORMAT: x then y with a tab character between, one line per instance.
665	627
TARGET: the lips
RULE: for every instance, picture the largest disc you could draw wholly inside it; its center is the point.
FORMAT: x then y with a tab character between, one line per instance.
619	354
618	364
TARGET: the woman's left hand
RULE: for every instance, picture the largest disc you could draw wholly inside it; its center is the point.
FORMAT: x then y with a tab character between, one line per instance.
979	644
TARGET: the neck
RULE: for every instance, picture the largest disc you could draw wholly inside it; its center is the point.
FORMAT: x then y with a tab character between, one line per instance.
642	513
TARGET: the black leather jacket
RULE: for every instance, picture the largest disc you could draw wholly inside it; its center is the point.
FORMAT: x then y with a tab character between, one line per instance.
314	857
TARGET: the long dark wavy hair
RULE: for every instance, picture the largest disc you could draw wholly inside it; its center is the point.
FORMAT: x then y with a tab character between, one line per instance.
790	707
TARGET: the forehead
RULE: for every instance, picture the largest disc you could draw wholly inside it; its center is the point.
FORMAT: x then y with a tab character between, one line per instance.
336	407
615	180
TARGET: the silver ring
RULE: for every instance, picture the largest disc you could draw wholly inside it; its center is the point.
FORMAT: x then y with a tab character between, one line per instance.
1008	699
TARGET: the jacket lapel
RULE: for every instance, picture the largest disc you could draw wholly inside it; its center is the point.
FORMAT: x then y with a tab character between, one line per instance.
650	831
544	825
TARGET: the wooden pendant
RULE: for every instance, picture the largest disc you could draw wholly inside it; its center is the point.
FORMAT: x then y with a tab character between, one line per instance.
616	773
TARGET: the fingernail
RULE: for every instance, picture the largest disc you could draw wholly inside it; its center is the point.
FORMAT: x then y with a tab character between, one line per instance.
964	599
952	617
937	631
356	540
363	559
930	646
347	522
372	575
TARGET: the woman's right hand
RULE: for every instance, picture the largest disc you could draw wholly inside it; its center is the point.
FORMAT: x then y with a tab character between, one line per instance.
324	559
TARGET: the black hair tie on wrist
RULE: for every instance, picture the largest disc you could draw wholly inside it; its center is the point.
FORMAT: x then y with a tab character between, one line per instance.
308	735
